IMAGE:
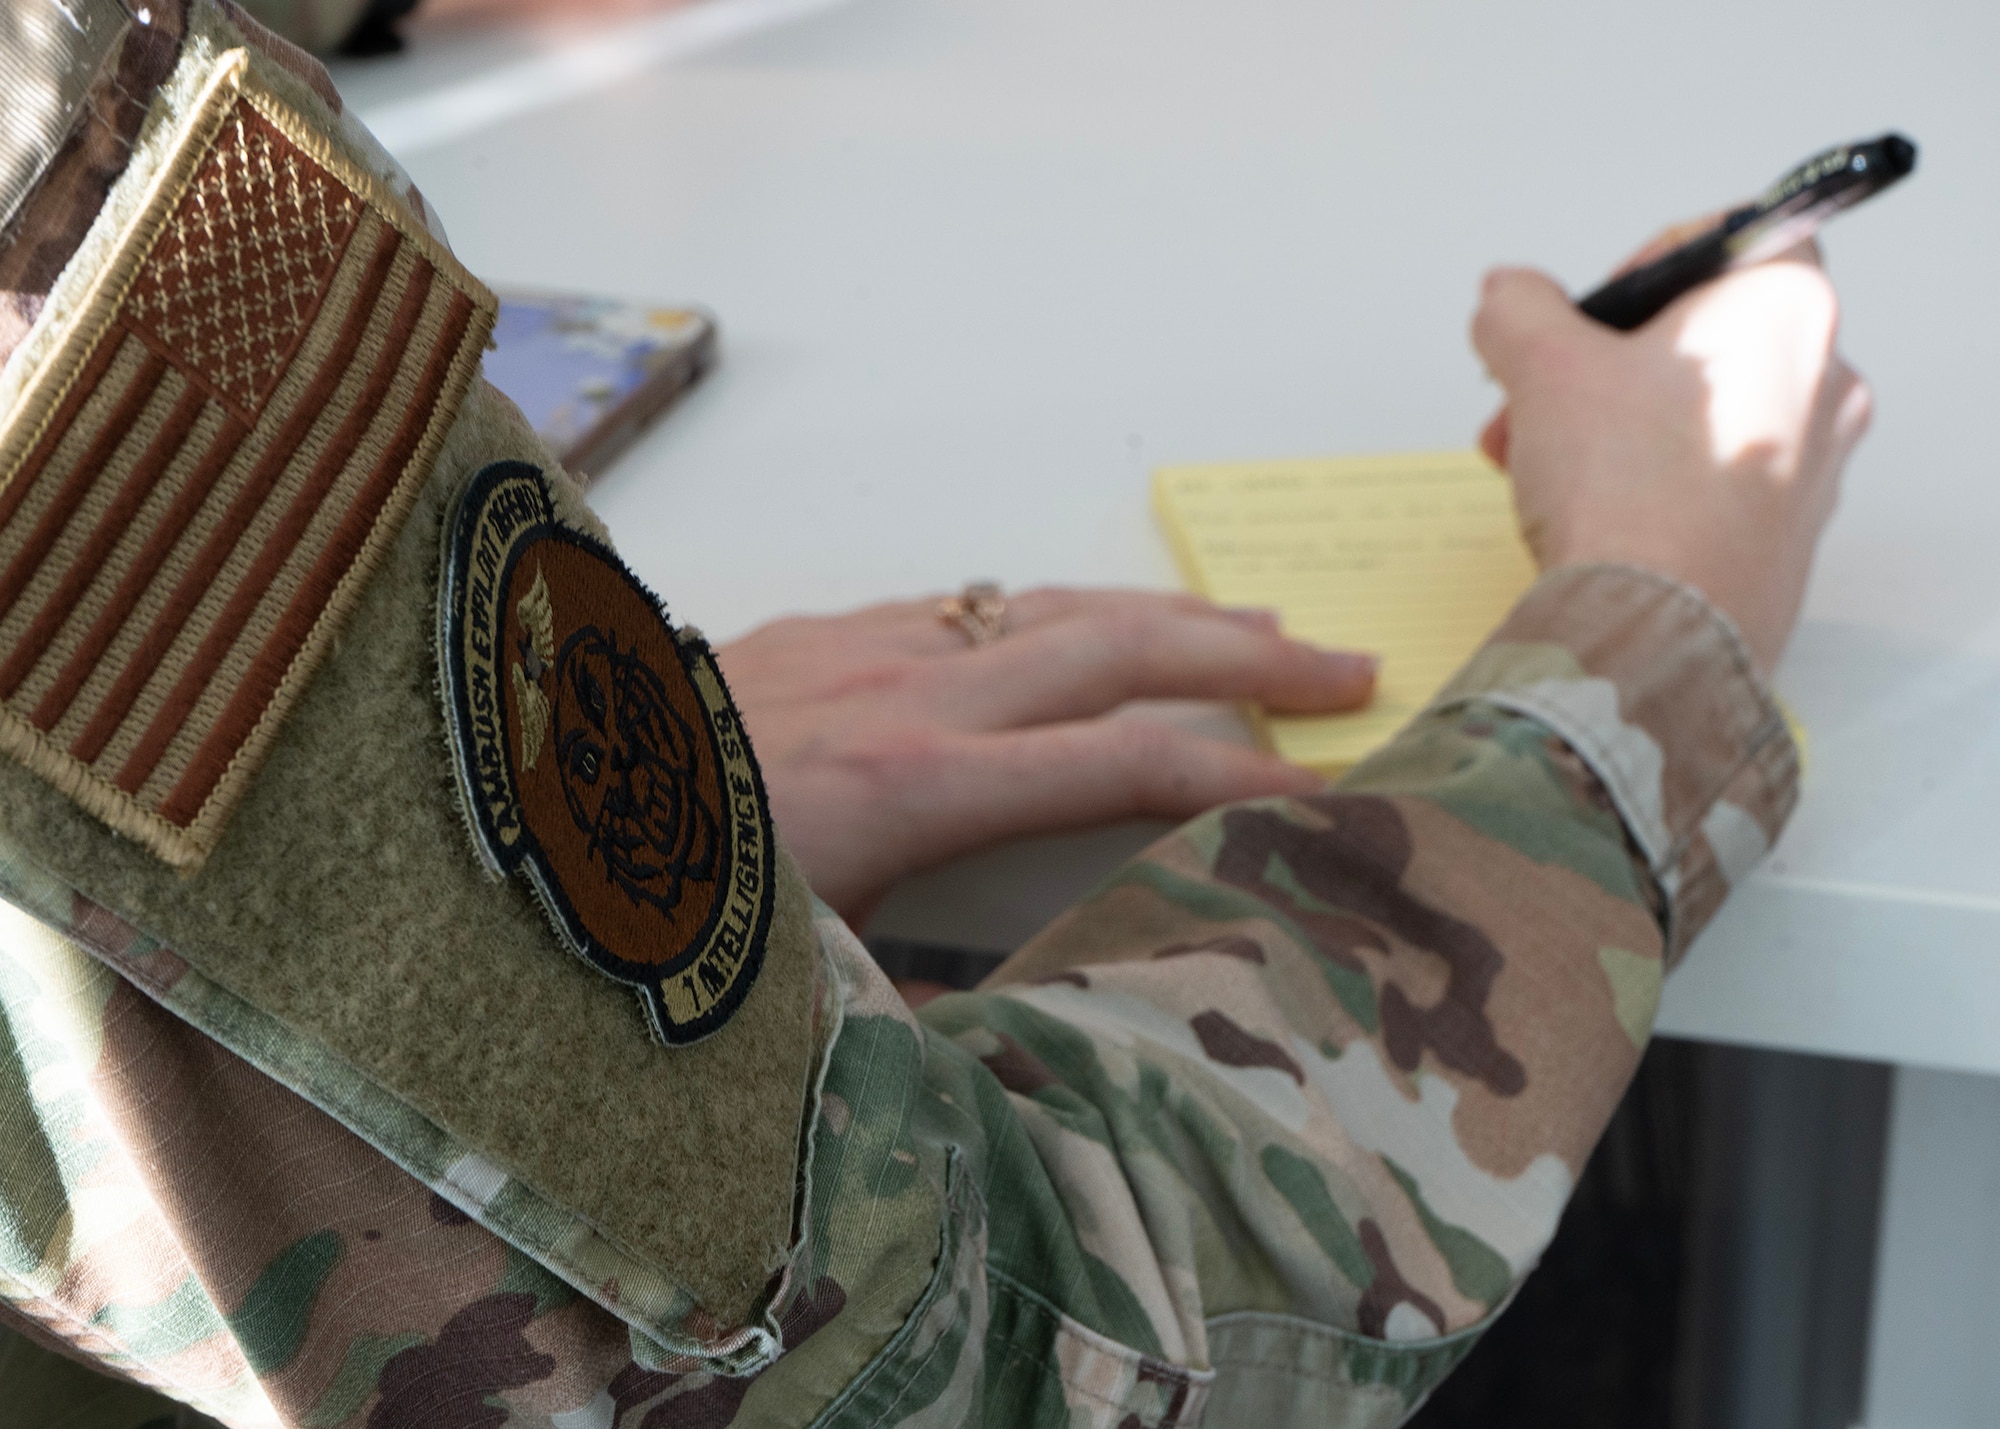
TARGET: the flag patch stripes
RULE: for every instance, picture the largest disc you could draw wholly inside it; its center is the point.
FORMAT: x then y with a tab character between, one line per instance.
215	452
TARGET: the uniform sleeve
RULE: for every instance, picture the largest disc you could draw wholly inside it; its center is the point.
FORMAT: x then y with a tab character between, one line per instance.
1271	1125
1308	1084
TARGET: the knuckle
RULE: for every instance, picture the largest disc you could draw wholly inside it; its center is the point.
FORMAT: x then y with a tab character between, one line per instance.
1132	633
1859	407
1496	283
1482	333
1488	324
1145	746
886	761
879	679
1543	356
1039	603
1157	652
1159	768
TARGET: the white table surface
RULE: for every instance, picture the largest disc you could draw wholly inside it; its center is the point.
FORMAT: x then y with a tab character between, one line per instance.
982	264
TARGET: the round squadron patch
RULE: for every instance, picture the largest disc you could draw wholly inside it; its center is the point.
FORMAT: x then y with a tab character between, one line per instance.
600	756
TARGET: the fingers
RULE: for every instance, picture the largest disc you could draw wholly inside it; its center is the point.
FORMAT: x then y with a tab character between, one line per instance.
1806	252
1667	240
1493	439
1673	236
1854	410
1078	775
914	627
1850	406
1045	607
1044	604
1522	311
1134	650
1524	319
1772	322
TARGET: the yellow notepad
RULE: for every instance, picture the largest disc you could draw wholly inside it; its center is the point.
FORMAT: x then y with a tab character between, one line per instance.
1413	556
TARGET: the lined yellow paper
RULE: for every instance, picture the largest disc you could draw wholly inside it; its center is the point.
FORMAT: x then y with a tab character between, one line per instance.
1413	556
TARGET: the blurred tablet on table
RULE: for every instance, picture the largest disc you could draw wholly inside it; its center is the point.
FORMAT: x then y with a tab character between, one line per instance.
590	373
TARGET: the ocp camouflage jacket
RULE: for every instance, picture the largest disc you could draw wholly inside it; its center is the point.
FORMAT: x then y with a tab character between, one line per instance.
317	1106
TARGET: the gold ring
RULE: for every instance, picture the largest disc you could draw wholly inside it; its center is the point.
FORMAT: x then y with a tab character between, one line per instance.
979	611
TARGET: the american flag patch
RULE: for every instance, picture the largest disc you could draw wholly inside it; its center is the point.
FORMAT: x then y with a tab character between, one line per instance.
213	449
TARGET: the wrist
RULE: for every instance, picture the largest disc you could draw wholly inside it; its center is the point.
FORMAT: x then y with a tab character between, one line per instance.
1653	687
1758	594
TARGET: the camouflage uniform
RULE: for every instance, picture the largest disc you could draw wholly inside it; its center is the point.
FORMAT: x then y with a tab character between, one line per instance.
1267	1130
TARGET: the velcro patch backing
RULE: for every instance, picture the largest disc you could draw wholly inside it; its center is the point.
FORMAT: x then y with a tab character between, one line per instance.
209	459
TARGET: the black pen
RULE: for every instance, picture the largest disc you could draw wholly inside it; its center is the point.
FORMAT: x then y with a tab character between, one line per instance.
1788	212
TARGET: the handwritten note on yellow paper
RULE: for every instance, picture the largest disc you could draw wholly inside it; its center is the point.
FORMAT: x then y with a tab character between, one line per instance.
1416	557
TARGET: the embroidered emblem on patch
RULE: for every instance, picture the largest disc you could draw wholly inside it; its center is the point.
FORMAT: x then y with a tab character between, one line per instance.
205	452
600	757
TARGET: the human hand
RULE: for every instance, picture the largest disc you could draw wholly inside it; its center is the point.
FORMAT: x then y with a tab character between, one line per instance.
889	744
1706	445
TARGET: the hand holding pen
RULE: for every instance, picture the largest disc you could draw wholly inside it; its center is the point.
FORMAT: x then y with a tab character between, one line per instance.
1705	445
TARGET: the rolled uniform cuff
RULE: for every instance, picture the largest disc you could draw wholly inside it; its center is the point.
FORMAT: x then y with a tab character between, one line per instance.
1654	689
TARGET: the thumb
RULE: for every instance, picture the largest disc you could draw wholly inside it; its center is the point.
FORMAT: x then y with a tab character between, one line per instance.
1522	316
